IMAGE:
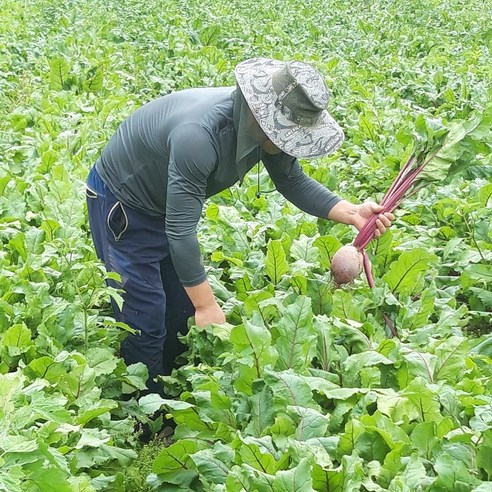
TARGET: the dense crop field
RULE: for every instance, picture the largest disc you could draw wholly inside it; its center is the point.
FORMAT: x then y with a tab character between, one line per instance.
303	389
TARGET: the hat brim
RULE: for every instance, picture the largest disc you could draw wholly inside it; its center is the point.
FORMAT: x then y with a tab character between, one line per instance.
254	78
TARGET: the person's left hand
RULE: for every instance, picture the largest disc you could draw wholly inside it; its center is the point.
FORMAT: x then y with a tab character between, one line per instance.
365	211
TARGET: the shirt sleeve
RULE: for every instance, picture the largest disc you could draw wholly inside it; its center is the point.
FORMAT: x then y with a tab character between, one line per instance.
297	187
192	158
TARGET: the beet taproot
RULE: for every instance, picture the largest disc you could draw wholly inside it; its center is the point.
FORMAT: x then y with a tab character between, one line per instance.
346	264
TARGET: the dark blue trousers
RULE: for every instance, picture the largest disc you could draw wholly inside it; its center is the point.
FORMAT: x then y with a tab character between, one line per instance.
135	246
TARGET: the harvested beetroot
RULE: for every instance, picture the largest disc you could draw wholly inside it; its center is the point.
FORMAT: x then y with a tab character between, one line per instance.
346	264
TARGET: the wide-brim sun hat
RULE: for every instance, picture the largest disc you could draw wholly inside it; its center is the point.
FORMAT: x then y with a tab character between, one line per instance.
288	101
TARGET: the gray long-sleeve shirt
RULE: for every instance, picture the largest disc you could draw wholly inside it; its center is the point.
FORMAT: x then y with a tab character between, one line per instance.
176	151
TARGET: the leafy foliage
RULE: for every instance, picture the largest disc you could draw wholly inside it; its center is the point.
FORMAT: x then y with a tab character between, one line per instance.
302	390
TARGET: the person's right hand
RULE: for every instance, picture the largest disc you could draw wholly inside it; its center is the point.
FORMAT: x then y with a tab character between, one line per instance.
207	310
209	314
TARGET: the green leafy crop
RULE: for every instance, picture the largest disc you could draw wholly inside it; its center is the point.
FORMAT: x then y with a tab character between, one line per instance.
302	390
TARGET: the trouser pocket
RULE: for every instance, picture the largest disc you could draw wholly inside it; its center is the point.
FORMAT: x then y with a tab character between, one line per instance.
90	193
117	220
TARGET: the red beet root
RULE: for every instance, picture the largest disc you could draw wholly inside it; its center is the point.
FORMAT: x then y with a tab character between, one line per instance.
346	264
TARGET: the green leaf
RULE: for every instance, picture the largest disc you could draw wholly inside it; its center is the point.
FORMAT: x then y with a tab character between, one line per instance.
453	475
95	79
262	412
290	388
353	430
345	308
415	364
59	70
214	406
485	194
484	487
259	453
384	247
18	244
425	440
34	241
424	400
419	312
136	376
484	346
11	479
348	476
320	292
248	478
405	275
252	343
459	149
302	249
50	479
296	339
451	359
325	354
297	479
276	265
4	181
393	435
372	446
219	257
210	34
354	363
153	402
397	407
211	467
484	295
311	423
474	275
484	454
17	444
101	360
413	477
17	340
123	456
97	409
263	302
327	246
173	464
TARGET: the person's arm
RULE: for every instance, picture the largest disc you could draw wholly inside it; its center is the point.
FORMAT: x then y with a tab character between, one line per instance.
297	187
315	199
192	158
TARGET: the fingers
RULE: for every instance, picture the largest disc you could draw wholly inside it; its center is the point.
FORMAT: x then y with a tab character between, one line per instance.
381	228
385	219
382	223
375	208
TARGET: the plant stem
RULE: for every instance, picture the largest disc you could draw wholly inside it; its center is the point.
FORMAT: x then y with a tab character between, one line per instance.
472	235
370	280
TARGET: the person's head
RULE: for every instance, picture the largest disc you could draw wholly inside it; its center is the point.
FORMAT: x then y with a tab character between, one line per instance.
288	101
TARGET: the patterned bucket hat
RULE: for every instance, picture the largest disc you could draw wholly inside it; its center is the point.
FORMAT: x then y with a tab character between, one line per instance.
288	100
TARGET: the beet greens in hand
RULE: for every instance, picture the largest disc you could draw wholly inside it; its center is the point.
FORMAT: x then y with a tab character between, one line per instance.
439	152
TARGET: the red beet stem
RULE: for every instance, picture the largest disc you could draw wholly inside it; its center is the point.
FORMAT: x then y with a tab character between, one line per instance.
367	268
393	197
370	279
402	172
390	325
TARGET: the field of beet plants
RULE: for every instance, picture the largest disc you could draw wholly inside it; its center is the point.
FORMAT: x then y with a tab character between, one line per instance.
304	388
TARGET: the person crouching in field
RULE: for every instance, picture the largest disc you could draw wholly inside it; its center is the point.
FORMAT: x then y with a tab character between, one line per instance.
146	191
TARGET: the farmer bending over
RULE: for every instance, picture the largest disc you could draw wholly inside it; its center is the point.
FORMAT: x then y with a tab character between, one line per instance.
146	191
